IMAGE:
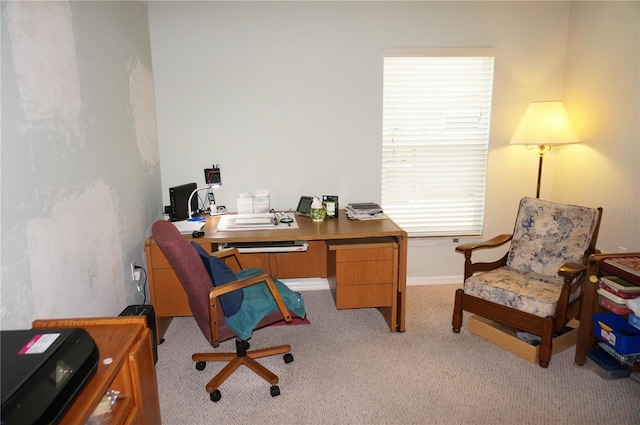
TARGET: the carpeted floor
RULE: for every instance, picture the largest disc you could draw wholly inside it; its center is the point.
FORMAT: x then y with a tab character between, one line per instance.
350	369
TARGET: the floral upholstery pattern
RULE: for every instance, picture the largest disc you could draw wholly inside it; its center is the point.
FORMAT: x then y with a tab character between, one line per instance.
522	291
546	236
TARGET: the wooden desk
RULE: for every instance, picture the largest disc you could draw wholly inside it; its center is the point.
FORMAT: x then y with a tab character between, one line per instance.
169	299
127	342
589	304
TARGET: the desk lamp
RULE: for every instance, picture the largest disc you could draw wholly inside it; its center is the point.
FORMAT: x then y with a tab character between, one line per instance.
543	125
213	179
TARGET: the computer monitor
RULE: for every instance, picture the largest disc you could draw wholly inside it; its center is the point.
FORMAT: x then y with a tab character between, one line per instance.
178	198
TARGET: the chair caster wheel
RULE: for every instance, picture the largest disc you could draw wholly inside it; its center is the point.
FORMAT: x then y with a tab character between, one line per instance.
215	396
201	365
275	390
288	358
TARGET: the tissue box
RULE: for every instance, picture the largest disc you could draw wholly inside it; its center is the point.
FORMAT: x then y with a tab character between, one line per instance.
260	204
634	320
245	205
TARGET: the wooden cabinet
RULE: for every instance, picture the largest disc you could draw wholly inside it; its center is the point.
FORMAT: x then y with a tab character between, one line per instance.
126	364
363	272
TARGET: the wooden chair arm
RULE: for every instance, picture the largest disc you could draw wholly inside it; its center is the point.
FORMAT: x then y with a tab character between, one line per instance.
231	252
491	243
571	270
467	249
239	284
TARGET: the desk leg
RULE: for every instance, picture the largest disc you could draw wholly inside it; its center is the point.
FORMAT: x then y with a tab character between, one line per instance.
401	308
162	324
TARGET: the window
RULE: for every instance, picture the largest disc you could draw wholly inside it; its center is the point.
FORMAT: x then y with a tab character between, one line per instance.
435	139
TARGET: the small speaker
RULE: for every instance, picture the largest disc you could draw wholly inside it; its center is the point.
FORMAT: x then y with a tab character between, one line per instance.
150	315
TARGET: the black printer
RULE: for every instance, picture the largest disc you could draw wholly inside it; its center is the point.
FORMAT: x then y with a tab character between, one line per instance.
42	372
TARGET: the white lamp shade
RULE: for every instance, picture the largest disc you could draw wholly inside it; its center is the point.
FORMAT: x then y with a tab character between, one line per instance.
545	123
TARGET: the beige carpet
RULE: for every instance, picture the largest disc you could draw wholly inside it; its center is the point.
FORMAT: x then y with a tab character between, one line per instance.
349	369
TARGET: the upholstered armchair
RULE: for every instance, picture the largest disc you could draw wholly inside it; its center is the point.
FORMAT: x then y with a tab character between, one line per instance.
536	286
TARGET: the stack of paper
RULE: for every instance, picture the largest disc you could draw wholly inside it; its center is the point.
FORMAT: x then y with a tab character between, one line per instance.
364	211
187	227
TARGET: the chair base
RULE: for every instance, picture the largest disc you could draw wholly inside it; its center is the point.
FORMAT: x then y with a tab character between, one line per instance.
541	326
239	358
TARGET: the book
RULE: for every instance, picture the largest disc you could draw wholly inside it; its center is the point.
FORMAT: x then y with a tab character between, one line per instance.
612	297
619	284
620	287
628	264
605	299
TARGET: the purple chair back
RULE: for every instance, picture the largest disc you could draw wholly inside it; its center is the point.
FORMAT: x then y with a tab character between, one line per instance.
188	266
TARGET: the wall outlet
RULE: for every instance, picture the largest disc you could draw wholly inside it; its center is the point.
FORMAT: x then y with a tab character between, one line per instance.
135	273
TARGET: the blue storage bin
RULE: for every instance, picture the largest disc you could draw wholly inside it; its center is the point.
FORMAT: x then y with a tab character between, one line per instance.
634	321
615	331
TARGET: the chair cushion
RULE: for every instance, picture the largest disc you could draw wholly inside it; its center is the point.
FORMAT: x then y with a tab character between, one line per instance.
548	235
520	290
258	303
221	274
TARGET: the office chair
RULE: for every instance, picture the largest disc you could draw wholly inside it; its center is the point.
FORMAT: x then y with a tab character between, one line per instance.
249	299
536	285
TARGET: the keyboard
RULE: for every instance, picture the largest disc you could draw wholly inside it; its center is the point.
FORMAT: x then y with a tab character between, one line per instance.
266	246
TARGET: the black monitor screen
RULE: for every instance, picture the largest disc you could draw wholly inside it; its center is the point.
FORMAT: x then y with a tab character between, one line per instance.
179	196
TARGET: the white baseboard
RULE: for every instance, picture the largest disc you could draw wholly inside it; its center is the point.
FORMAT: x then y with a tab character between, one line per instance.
434	280
317	283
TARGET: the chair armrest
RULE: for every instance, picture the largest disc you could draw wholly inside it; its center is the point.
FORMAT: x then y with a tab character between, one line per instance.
248	281
491	243
239	284
467	249
231	252
571	270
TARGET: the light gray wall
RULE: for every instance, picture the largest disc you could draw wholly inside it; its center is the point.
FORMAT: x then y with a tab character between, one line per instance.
602	90
80	160
287	96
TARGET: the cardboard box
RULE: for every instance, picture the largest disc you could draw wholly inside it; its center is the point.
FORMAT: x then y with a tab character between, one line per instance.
506	338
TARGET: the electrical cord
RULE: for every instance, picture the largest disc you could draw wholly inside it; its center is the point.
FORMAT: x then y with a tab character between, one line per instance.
142	291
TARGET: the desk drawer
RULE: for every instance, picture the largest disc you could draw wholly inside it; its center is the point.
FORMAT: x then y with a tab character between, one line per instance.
361	253
364	272
349	296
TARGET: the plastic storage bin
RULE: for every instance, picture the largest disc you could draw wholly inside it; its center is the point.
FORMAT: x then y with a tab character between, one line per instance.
606	366
615	331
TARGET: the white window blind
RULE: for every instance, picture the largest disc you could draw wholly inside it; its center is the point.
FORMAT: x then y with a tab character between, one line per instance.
436	120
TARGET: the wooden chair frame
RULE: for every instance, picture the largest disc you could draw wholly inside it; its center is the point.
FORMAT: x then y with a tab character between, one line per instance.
573	275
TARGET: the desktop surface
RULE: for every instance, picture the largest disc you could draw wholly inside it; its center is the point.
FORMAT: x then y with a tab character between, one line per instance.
340	227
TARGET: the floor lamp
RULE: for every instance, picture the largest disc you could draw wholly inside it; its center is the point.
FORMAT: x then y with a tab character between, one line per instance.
543	125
